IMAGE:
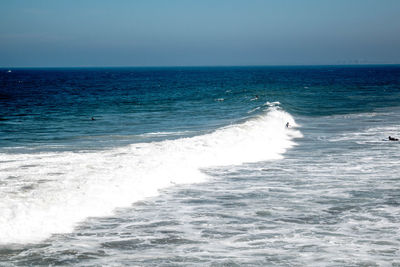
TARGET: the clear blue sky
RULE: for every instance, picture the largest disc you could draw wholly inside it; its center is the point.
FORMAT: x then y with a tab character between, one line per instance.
45	33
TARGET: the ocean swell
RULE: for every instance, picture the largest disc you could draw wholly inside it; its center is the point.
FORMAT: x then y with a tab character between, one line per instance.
46	193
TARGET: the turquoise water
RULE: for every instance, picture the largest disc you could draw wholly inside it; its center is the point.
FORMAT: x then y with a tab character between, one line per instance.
195	167
47	107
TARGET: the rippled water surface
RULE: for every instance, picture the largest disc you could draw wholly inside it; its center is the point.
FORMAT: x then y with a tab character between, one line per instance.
324	193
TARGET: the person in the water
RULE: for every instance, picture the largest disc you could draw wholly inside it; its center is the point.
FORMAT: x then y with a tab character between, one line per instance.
393	139
287	125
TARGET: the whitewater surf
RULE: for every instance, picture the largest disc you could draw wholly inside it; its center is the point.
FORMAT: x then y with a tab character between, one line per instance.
51	192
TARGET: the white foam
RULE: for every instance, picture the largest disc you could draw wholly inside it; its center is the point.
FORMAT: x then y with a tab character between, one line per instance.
46	193
165	133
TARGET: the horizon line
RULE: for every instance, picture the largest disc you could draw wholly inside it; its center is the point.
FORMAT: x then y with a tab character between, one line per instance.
198	66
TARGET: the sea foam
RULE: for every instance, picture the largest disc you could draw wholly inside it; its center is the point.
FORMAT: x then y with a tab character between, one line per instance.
46	193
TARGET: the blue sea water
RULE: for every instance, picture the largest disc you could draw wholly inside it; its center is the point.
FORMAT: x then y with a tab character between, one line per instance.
195	167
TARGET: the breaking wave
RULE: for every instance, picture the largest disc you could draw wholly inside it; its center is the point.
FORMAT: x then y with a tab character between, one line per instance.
46	193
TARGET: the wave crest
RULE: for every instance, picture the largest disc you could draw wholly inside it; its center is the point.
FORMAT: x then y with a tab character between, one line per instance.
47	193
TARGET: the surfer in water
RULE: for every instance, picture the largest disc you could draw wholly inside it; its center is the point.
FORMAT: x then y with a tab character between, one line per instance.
287	125
255	98
393	139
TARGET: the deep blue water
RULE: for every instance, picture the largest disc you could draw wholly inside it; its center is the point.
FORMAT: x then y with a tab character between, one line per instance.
54	106
194	166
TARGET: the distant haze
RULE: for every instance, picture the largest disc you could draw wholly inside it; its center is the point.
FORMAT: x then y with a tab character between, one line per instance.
47	33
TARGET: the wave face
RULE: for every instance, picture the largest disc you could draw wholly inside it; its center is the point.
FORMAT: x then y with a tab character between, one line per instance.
50	192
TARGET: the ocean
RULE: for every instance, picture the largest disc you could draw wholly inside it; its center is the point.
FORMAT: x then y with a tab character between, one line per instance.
194	166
